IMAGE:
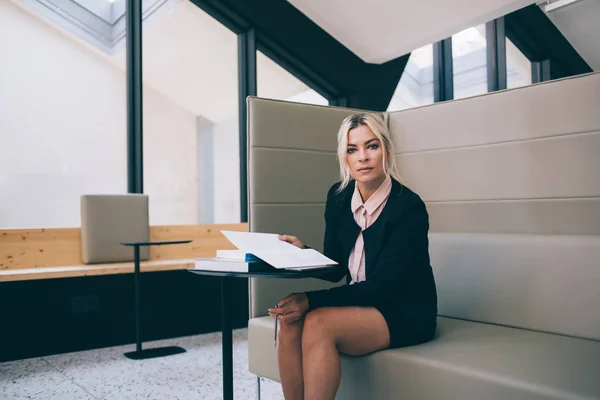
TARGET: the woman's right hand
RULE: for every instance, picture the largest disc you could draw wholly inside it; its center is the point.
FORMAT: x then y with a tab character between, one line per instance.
292	240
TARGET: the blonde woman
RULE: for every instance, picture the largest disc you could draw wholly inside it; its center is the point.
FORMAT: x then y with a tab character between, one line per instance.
376	229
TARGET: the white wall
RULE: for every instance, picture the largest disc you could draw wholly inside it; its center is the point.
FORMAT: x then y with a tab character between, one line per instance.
63	131
170	161
226	173
219	166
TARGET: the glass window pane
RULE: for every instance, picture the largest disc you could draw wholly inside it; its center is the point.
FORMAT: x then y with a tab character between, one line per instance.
469	62
274	82
191	144
62	123
517	65
415	87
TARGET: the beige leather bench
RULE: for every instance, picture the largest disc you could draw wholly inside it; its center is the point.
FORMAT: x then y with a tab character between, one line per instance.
511	184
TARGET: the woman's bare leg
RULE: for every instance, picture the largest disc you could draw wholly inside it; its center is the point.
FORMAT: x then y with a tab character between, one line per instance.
351	330
289	355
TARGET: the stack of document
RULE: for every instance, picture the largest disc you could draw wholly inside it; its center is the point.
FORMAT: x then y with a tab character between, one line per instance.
229	265
261	251
236	255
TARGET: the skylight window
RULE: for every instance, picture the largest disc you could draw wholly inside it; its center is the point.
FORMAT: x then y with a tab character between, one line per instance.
99	22
468	41
422	57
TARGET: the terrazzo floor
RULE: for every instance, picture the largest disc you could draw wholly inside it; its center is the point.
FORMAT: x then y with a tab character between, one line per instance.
106	374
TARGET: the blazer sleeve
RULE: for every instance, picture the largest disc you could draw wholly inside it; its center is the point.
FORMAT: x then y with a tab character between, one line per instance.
331	245
405	251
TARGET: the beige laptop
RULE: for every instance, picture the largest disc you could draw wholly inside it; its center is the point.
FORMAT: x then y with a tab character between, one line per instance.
107	221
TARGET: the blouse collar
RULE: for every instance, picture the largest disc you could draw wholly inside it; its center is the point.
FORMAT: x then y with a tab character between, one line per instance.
376	199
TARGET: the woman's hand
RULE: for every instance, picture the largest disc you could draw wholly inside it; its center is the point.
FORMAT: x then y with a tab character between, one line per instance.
291	309
292	240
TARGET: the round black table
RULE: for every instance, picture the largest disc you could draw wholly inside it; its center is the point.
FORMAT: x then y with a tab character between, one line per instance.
226	327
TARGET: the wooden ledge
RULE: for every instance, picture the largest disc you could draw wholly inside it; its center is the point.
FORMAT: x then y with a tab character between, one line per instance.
26	274
32	254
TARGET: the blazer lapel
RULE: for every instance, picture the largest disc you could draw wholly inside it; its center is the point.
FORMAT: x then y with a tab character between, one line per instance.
348	233
348	229
375	235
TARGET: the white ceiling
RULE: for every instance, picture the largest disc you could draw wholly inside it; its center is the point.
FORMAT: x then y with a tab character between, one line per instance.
580	24
380	30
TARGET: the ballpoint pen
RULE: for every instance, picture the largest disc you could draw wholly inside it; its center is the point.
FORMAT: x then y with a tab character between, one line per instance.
275	337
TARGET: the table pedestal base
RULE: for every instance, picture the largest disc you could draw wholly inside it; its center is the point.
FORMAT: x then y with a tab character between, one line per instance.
154	353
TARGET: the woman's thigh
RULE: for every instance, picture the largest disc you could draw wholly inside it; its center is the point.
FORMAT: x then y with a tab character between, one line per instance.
356	330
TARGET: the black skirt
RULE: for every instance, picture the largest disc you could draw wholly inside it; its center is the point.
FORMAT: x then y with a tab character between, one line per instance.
405	331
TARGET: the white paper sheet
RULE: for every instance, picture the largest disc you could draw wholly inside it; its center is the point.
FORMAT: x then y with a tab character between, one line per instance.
275	252
251	241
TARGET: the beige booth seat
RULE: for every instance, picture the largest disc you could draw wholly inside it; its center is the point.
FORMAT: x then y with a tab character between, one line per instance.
510	182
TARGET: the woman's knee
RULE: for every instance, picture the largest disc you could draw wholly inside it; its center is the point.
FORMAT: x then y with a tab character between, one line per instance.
290	332
316	327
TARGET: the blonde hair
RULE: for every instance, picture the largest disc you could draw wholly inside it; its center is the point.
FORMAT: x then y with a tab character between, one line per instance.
376	123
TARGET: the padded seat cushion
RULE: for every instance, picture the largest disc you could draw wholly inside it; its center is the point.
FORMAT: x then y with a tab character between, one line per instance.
107	220
465	360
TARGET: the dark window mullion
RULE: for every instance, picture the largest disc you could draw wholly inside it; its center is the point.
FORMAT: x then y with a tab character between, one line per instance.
247	87
135	163
541	71
496	55
443	75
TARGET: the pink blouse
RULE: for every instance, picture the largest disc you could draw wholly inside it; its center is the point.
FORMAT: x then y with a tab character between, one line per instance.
364	215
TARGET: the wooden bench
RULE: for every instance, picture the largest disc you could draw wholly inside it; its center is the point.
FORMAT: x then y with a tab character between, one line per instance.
30	254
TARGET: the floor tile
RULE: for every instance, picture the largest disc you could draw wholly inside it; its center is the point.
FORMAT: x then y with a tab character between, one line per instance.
107	374
36	379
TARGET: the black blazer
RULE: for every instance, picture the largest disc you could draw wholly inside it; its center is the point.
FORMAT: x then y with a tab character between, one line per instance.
397	267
